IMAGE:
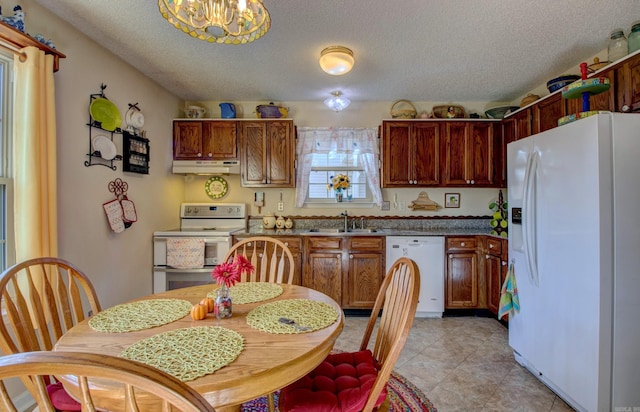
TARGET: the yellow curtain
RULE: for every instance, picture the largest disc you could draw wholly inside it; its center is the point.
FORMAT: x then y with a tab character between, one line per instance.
34	158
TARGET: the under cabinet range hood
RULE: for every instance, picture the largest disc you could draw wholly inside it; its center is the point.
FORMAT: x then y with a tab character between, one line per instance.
206	167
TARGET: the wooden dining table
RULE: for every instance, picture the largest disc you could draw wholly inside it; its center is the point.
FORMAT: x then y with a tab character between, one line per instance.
268	361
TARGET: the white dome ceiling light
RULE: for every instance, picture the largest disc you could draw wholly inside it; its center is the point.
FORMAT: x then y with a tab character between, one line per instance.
336	60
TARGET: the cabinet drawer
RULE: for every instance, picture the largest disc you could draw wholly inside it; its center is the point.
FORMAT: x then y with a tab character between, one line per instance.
366	243
494	246
293	243
462	243
324	243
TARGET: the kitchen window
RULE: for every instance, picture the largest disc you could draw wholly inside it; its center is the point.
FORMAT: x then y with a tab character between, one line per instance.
326	152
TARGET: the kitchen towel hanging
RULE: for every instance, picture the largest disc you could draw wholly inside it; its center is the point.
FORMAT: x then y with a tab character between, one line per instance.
509	301
185	253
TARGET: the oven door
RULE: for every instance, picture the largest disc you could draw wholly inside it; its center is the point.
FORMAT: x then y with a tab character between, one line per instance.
215	249
165	279
168	278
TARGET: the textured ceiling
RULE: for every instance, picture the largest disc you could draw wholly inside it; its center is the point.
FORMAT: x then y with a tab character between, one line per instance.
421	50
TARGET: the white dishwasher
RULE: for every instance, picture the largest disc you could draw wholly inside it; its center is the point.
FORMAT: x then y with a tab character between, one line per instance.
428	253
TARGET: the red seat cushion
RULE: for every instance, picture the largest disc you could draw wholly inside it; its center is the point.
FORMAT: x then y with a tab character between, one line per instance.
60	399
341	383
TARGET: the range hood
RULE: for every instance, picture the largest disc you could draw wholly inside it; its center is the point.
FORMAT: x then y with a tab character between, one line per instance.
206	167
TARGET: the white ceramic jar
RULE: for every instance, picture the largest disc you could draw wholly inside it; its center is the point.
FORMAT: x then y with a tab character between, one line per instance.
280	222
269	221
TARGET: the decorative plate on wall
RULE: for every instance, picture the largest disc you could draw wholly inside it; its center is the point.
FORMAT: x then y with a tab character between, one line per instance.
216	187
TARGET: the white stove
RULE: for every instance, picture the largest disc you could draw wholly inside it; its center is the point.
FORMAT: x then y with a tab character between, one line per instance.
209	225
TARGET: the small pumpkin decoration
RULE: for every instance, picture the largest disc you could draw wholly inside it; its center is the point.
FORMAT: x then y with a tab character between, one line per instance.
198	312
208	303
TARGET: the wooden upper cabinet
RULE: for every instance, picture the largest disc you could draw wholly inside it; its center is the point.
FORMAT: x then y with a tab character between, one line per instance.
627	77
219	140
267	153
410	152
187	140
469	153
547	112
206	140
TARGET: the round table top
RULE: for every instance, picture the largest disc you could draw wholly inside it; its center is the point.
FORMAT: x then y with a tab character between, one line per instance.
267	363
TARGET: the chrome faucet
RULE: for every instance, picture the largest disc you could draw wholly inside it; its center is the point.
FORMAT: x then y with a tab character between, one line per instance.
345	214
362	223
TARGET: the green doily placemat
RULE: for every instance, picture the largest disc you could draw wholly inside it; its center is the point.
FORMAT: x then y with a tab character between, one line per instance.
143	314
250	292
308	315
188	353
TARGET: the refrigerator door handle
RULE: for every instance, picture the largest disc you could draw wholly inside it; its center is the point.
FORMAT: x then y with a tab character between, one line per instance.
529	217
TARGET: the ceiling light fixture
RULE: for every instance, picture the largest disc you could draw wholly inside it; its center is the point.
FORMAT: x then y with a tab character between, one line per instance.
337	102
336	60
218	21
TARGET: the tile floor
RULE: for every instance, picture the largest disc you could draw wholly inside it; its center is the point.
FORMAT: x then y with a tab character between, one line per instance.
464	364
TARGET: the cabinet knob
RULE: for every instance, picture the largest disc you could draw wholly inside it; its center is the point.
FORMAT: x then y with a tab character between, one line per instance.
490	246
286	244
462	244
473	182
504	263
210	154
625	108
199	154
350	256
486	257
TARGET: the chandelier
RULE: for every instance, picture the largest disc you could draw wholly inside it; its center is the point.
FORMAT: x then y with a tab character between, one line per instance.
337	102
218	21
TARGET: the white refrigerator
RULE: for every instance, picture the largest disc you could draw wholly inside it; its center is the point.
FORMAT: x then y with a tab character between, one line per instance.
574	238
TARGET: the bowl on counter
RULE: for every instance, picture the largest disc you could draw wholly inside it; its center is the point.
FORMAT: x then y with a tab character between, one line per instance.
559	82
500	111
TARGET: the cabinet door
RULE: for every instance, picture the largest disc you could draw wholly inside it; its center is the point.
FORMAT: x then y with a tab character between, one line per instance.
187	140
547	112
219	140
481	146
323	272
493	274
455	154
363	281
295	247
522	122
253	138
462	280
280	154
627	79
424	153
396	169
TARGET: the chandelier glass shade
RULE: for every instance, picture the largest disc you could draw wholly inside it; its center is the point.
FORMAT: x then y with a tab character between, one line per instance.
337	102
218	21
336	60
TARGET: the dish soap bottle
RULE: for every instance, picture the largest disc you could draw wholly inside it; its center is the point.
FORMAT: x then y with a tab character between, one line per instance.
618	45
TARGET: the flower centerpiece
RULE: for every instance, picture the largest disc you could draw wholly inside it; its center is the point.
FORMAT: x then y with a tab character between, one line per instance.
339	183
226	275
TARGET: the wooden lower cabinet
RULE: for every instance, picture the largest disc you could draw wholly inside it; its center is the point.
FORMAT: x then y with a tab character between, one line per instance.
294	243
494	256
462	276
349	269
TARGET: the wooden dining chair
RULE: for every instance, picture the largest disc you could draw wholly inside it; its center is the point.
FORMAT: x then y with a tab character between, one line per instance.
271	258
161	390
356	381
41	299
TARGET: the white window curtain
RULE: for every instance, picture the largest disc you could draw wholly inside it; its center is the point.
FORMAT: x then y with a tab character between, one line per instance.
362	141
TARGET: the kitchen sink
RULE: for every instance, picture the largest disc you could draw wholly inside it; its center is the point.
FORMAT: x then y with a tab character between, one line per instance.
331	230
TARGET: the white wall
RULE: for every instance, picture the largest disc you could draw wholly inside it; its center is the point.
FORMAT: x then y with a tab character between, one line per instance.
119	265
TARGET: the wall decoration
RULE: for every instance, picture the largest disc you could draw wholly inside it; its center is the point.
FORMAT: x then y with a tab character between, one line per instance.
121	212
423	202
216	187
499	220
452	200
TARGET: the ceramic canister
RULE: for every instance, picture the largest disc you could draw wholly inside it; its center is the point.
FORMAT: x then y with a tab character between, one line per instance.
269	221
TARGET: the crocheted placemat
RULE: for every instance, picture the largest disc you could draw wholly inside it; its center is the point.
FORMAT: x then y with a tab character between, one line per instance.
292	316
250	292
143	314
188	353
